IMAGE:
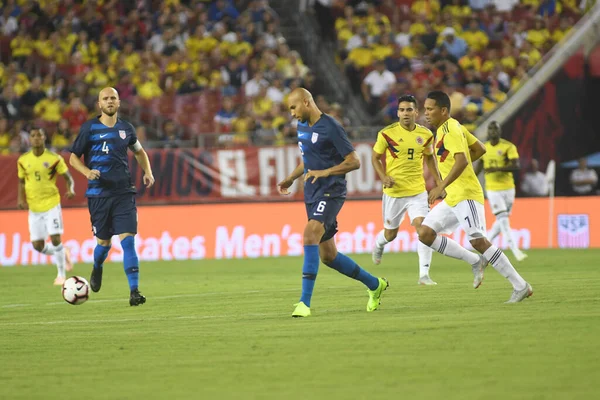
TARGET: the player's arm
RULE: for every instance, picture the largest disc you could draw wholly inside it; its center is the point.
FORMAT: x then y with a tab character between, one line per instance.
142	158
283	186
79	166
70	184
350	163
476	150
513	166
431	162
376	160
21	202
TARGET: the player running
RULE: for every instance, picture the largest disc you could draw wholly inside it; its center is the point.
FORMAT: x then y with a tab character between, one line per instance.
37	171
499	163
405	145
463	203
327	155
103	141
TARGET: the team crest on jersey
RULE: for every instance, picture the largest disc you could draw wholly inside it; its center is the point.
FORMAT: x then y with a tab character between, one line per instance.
46	165
315	137
419	140
499	152
122	134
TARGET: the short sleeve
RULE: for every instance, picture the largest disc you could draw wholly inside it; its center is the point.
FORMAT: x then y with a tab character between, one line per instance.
20	170
340	140
454	140
133	138
81	143
380	144
62	166
428	145
512	152
471	139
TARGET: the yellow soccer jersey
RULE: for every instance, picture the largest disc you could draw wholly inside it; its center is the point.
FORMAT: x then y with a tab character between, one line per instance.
499	156
404	159
40	179
451	139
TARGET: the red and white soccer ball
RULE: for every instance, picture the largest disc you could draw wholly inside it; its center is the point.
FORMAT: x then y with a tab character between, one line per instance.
76	290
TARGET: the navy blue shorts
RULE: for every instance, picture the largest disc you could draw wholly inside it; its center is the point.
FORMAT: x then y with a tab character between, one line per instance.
113	215
326	211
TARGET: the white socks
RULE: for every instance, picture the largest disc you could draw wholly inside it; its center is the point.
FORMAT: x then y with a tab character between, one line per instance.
59	254
495	230
380	240
425	254
507	232
450	248
501	264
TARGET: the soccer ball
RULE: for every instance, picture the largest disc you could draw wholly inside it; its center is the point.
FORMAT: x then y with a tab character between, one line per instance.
76	290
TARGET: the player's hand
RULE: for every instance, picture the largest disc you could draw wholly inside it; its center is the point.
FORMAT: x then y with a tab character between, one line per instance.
148	180
70	194
93	174
435	194
22	205
284	185
388	182
323	173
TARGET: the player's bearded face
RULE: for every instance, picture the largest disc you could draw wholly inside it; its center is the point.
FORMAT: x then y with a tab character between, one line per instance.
109	107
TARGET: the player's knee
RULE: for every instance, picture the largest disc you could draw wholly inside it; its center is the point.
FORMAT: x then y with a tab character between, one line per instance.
327	257
38	245
56	240
480	244
502	214
426	235
390	234
313	232
103	242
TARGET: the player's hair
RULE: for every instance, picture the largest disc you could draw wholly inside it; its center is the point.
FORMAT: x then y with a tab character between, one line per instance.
37	128
496	123
409	98
441	99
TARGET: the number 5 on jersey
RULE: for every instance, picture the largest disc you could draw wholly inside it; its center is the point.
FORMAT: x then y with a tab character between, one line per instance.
105	147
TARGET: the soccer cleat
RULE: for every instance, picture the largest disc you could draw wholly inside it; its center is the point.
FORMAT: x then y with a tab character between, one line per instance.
375	295
96	279
377	254
426	280
59	281
478	270
519	255
136	298
68	260
520	295
301	310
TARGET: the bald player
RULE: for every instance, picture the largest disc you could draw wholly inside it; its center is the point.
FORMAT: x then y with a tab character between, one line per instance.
327	156
103	141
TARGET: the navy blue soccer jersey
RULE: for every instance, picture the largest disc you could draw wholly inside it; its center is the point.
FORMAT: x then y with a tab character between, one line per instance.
323	145
105	149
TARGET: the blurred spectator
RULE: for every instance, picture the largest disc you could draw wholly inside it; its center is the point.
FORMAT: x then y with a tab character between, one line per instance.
170	135
583	179
62	137
376	86
49	109
252	87
534	182
8	23
76	113
31	97
456	46
225	116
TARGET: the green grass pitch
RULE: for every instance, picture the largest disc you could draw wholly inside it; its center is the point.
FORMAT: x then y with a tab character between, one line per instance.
222	329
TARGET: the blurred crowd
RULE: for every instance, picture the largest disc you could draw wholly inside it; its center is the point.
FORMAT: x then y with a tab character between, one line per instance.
476	50
57	54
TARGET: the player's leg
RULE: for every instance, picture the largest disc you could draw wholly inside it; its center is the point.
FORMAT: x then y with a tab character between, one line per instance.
393	209
442	219
501	203
38	232
471	215
55	228
99	208
418	208
313	231
124	224
509	200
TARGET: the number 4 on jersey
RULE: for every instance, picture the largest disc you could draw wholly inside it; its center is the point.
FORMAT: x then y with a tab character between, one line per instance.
105	147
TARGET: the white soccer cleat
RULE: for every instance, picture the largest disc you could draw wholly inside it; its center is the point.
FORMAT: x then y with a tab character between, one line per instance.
59	281
478	270
519	255
426	280
520	295
377	254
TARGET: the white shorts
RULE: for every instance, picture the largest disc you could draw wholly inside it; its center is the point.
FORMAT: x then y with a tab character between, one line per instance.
501	200
394	209
44	224
468	214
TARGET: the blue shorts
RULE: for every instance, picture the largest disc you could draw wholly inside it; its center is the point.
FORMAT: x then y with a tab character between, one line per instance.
113	215
326	211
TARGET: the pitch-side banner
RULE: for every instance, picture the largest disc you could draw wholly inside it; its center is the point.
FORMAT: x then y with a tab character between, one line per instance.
203	176
224	231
